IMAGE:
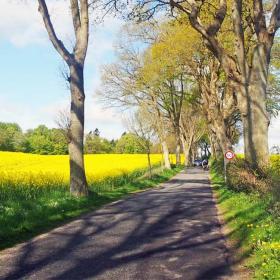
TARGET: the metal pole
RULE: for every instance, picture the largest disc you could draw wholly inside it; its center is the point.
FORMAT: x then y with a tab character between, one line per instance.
225	169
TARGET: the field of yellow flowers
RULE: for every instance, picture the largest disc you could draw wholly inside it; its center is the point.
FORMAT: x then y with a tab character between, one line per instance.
30	169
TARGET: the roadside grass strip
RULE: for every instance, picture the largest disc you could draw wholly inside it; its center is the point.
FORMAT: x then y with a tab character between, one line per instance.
254	227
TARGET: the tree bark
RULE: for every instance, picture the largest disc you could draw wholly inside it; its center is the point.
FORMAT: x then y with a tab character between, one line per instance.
178	146
224	141
187	152
78	182
75	62
252	105
214	111
216	149
165	155
193	152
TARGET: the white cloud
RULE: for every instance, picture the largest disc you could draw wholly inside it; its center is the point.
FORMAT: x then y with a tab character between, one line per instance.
94	112
25	115
21	24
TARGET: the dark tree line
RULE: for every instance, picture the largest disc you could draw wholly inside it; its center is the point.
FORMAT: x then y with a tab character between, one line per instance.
52	141
40	140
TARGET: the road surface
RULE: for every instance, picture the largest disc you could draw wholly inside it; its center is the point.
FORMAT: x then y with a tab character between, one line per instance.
171	232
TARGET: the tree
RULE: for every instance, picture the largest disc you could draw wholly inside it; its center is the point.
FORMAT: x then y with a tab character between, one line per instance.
245	58
75	61
122	83
210	97
193	128
39	140
94	144
60	143
129	144
204	145
218	105
11	137
165	73
173	58
63	122
45	141
141	125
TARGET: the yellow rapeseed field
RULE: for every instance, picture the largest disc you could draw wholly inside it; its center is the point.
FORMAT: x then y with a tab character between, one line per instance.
37	170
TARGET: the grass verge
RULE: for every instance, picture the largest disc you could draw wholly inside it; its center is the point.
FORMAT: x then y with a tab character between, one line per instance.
25	214
253	227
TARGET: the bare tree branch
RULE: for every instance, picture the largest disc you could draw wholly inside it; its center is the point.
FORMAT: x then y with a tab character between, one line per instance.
75	16
274	24
58	44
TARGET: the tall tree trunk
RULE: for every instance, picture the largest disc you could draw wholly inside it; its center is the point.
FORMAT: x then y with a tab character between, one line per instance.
224	141
178	146
216	149
187	148
75	61
193	153
225	145
78	182
165	155
187	153
252	105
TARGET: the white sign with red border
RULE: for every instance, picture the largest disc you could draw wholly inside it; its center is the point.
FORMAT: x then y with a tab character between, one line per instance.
229	155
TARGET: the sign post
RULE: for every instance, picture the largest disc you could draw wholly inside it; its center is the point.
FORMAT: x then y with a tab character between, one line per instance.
229	155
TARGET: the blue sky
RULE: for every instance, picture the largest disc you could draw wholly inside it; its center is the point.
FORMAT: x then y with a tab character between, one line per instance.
32	90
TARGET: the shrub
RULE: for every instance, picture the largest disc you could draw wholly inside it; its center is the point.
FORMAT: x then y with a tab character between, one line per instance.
242	177
275	206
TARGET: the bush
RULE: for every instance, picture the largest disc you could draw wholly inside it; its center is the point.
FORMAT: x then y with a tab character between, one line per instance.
242	177
275	167
275	207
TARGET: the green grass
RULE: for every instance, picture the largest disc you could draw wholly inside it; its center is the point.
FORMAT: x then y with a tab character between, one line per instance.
24	213
254	227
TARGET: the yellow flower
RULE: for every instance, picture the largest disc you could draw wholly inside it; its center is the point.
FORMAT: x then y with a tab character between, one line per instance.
46	170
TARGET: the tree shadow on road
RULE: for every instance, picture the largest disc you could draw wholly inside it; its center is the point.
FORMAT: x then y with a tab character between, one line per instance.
148	230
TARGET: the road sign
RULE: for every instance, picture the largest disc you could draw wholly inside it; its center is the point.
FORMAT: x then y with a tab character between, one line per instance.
229	155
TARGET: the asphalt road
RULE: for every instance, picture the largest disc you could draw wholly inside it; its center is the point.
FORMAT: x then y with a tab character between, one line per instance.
171	232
